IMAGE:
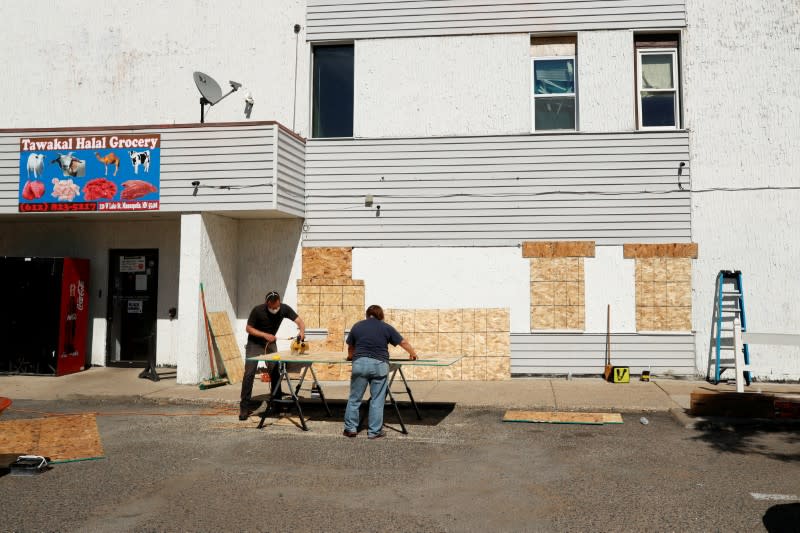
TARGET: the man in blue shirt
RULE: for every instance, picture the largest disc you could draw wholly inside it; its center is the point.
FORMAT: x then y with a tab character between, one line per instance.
368	348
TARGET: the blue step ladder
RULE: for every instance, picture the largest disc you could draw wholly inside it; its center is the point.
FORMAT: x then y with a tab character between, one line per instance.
730	301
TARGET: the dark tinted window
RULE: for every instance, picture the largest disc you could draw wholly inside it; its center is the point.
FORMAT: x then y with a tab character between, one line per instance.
333	91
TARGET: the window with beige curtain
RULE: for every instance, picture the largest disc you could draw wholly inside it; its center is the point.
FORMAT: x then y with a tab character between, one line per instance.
657	87
553	82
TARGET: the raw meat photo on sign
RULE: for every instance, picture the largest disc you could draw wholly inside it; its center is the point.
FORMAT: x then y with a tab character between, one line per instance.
90	173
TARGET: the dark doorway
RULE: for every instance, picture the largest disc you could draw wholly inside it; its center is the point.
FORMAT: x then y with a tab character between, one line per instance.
132	305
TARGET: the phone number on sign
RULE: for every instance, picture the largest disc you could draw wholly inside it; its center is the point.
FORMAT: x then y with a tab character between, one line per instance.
47	207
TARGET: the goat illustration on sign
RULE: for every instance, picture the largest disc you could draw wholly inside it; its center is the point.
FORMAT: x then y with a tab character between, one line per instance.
35	165
70	165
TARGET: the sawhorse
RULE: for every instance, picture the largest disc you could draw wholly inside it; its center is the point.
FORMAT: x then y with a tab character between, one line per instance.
294	392
395	369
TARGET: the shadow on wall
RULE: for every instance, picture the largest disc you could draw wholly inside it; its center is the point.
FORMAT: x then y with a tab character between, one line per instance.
222	233
267	250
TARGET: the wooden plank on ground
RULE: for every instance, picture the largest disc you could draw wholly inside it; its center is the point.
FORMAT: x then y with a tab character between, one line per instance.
61	438
227	345
561	417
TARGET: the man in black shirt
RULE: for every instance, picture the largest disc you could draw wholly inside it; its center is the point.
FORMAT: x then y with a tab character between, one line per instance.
262	326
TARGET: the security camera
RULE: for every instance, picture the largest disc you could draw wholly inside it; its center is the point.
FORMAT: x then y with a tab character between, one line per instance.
235	85
248	105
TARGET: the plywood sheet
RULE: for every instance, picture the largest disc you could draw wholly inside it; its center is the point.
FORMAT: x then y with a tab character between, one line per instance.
227	345
542	317
547	249
352	295
327	263
679	269
426	321
473	369
497	320
633	251
560	417
573	249
220	324
537	249
498	368
62	438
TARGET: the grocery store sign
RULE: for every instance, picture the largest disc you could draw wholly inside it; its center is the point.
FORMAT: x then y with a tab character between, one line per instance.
90	173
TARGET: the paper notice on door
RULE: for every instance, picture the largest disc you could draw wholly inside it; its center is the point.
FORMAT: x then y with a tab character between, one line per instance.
131	263
135	306
141	282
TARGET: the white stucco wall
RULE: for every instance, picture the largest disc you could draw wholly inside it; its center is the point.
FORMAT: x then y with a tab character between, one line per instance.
94	63
610	280
470	85
219	246
606	85
189	310
92	240
268	259
437	278
741	68
445	278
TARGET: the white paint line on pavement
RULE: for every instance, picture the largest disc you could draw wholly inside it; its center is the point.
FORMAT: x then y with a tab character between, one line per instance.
776	497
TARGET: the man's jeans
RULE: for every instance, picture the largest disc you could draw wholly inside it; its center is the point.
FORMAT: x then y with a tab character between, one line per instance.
367	370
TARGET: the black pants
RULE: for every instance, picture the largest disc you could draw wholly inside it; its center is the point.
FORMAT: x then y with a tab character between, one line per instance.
250	367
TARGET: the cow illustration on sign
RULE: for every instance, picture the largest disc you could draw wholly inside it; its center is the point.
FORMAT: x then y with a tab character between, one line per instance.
140	159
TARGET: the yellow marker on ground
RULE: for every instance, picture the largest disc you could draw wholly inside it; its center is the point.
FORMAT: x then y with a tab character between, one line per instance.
276	357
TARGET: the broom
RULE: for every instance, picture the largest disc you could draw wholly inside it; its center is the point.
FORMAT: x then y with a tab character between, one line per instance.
215	380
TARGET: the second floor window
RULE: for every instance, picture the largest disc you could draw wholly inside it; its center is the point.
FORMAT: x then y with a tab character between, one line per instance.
657	87
332	93
553	81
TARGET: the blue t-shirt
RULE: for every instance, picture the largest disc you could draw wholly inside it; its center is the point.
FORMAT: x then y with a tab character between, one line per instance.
371	338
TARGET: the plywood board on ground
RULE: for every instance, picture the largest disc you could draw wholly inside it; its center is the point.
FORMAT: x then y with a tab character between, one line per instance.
61	438
227	345
560	417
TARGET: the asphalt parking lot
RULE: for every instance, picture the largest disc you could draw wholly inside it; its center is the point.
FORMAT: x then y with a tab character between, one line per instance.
192	468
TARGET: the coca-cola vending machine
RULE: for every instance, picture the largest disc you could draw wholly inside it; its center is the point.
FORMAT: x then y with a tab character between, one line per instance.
45	318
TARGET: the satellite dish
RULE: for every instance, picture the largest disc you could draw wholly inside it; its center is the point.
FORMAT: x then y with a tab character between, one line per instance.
208	87
212	94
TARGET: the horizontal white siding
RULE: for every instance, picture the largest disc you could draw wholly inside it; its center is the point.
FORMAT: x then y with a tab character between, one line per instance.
369	19
290	182
239	156
576	353
497	191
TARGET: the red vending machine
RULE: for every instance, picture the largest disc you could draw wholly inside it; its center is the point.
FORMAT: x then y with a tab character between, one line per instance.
45	321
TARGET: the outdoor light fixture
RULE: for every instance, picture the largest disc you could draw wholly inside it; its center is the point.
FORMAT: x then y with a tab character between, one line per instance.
368	200
196	185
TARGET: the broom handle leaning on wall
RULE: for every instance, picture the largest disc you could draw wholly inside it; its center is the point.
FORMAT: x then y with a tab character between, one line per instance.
208	333
608	335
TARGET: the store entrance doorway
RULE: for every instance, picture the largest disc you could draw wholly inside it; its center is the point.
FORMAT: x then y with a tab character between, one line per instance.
132	305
